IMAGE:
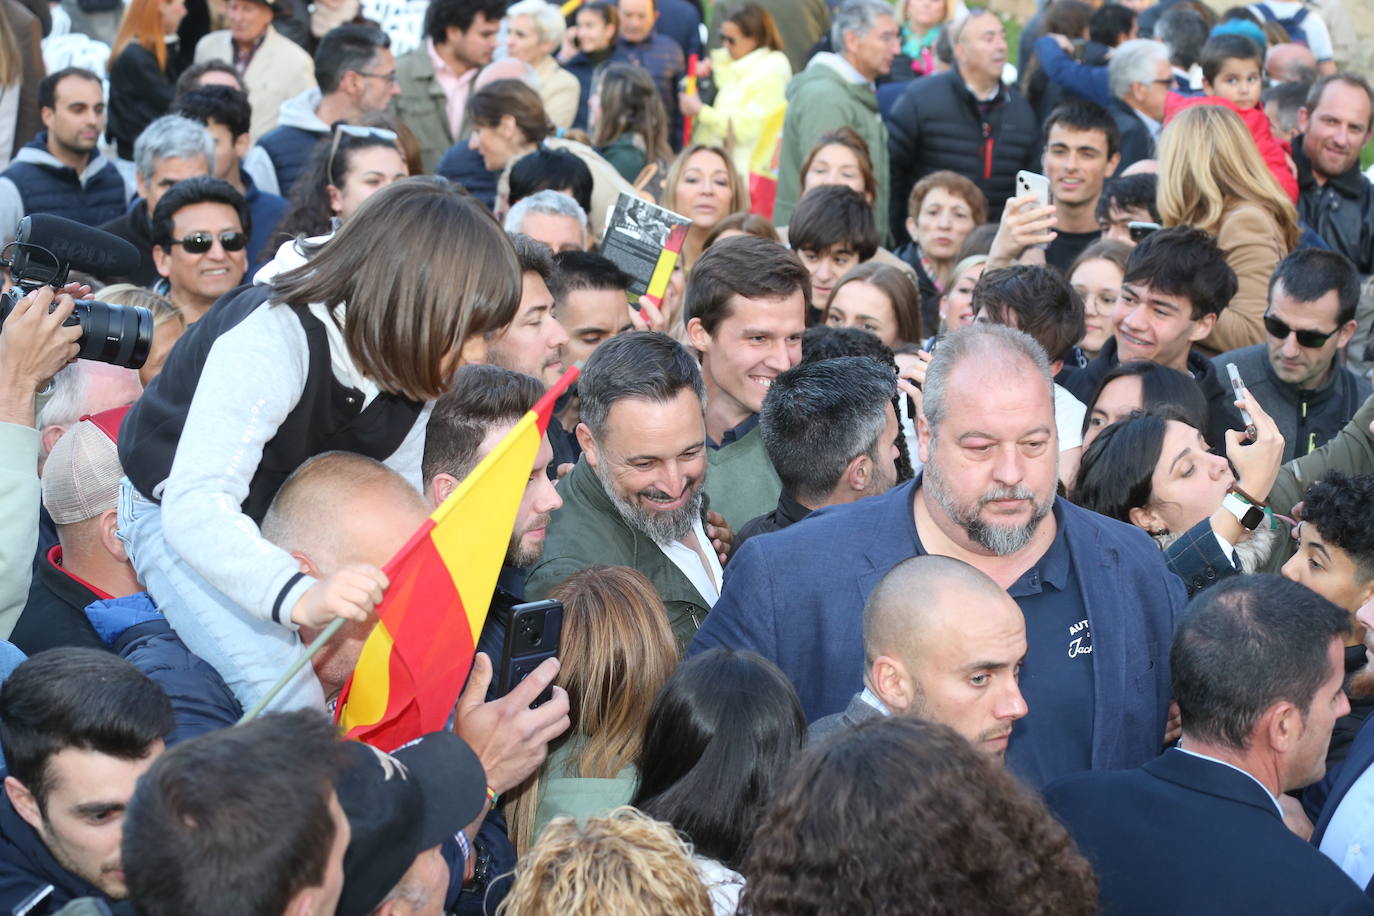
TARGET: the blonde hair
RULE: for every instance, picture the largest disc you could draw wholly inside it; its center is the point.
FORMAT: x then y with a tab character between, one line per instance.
624	863
616	652
1208	164
128	294
739	191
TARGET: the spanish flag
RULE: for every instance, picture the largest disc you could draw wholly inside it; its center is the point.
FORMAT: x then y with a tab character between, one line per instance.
413	666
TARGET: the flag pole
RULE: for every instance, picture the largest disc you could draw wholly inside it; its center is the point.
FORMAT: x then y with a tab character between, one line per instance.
291	672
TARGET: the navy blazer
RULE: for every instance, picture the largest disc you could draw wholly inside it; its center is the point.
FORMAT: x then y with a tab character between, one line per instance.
1184	835
796	597
1322	800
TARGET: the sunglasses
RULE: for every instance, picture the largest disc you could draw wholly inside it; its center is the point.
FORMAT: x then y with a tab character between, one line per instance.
1310	339
201	242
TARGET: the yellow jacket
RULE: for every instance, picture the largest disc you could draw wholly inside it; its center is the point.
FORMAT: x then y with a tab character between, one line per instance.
747	91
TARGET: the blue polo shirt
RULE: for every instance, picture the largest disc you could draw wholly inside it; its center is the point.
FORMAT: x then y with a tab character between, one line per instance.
1055	737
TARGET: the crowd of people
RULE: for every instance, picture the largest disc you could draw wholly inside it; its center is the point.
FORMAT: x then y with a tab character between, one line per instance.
981	522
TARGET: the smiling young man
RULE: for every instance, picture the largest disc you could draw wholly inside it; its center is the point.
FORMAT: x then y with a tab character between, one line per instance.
200	240
746	305
635	497
533	342
78	728
1081	141
1177	282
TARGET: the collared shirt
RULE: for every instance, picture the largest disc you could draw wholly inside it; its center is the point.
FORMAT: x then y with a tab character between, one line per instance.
456	88
1150	123
1348	831
244	59
1055	738
704	578
850	72
1270	795
55	558
735	433
871	699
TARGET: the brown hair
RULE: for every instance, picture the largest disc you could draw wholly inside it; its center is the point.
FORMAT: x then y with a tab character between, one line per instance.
757	25
625	862
739	191
1103	250
423	267
630	104
955	184
511	97
850	139
900	289
748	223
746	266
974	839
616	651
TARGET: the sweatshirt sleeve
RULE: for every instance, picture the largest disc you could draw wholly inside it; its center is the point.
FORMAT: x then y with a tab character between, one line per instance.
253	377
19	498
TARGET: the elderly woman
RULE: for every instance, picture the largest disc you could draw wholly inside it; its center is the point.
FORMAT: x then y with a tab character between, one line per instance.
534	30
942	210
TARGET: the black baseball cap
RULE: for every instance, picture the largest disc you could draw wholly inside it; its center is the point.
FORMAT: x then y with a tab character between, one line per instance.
399	805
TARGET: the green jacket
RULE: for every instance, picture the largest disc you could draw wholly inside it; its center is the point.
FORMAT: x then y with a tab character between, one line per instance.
423	106
562	793
588	531
820	99
741	481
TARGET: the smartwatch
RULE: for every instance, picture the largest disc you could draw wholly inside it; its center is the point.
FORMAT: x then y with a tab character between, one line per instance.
1248	515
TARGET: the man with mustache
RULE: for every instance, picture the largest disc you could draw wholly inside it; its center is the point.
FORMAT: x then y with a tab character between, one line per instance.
1099	604
635	497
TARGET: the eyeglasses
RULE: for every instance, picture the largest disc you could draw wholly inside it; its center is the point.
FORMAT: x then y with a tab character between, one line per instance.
1310	339
359	133
201	242
392	77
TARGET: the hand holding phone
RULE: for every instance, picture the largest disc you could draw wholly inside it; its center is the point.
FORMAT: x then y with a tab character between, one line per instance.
1238	387
532	635
1033	183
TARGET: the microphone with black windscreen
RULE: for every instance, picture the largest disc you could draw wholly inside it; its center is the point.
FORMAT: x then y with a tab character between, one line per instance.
80	247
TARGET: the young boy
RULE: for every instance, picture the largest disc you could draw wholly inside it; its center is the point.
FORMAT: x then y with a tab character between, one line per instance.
832	229
1232	67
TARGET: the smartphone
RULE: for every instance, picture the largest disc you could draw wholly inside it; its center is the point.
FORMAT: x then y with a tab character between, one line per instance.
1238	387
532	635
1033	183
1139	229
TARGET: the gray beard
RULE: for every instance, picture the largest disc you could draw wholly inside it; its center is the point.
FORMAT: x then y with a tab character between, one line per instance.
659	527
999	540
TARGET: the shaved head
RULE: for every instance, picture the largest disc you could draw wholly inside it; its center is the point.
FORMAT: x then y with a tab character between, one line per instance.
340	508
942	641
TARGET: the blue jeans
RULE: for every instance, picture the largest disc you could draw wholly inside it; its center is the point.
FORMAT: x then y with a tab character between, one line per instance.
248	652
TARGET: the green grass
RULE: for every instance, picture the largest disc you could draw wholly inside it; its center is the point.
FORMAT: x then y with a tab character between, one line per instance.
1367	154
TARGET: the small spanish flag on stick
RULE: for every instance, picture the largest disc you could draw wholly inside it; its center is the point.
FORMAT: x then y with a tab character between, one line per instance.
413	666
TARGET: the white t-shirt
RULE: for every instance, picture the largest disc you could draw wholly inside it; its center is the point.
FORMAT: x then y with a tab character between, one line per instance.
1068	418
1318	36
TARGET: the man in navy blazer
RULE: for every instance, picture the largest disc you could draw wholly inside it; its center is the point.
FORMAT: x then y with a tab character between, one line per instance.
1258	665
1099	603
1340	804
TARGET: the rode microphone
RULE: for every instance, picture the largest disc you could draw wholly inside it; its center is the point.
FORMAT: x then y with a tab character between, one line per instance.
73	245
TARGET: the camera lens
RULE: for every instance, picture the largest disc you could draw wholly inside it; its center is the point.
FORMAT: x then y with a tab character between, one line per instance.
117	334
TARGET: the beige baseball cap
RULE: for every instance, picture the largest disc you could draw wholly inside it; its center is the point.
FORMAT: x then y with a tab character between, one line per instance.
81	475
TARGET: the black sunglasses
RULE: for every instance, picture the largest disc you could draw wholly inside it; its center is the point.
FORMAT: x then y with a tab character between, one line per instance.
201	242
1309	339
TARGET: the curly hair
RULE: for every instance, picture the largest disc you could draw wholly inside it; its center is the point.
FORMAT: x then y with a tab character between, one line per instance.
1340	506
624	863
972	839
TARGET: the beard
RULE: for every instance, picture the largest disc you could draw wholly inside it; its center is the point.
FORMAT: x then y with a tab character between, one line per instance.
999	540
659	527
520	555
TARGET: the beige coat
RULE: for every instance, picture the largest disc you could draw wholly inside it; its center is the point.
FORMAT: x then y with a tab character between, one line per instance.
280	69
559	90
1254	245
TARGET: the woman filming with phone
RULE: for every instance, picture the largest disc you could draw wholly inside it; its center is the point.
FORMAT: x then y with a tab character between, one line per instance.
347	352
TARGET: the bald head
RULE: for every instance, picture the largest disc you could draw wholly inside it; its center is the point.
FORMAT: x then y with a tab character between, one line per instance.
1290	63
942	641
340	508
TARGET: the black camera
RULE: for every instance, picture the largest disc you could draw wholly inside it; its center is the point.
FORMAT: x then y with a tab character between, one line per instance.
44	250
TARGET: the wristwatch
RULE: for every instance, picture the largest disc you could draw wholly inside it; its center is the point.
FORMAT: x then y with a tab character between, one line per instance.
1248	515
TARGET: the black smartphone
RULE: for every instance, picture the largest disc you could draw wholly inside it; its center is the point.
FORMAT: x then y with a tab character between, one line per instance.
532	635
